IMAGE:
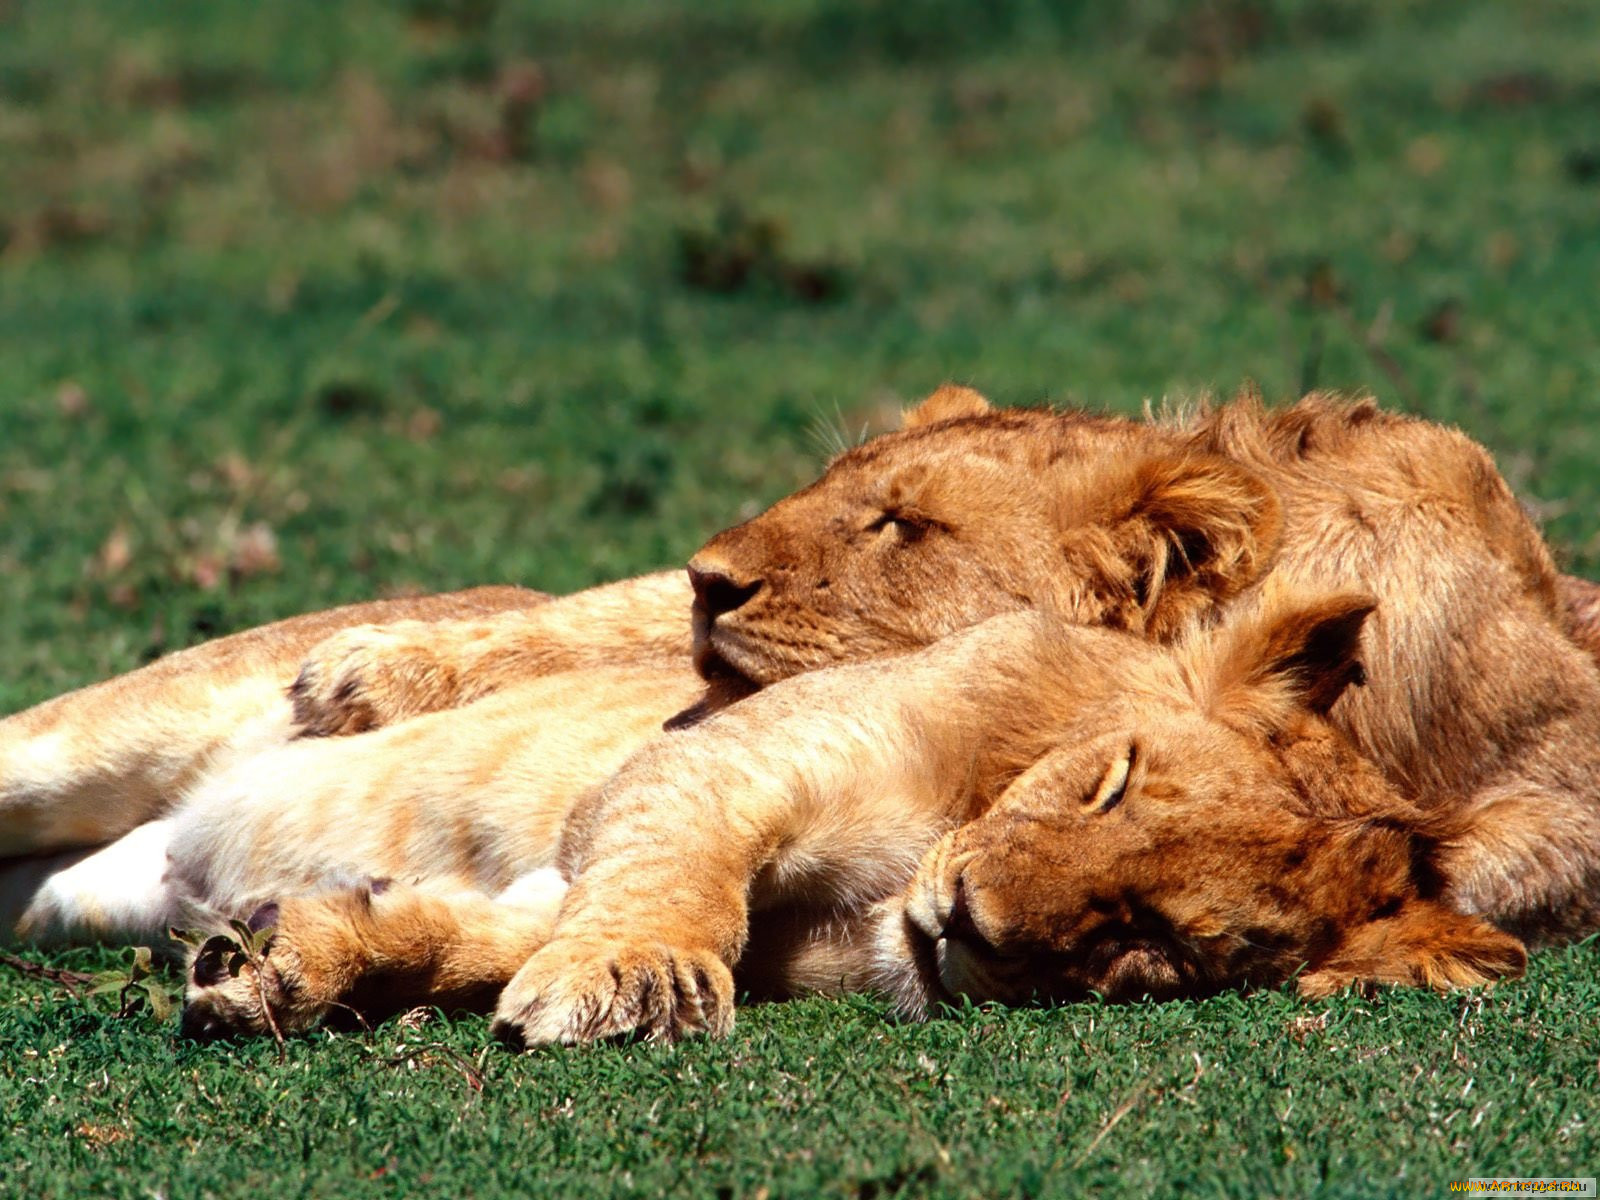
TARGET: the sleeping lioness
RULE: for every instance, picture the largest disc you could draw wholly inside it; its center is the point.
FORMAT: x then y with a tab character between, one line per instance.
1478	704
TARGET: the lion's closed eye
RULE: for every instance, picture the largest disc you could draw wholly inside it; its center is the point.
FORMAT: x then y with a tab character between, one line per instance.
1113	785
908	525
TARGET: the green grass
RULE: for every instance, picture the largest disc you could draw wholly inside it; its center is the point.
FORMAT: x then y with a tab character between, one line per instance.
295	308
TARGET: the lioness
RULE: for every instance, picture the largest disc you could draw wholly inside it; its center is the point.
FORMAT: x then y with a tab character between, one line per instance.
1117	816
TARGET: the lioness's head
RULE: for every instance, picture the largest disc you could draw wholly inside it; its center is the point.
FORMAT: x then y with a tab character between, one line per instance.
1208	830
969	512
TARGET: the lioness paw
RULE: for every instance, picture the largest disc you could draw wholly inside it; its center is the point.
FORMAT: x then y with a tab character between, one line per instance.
575	992
368	677
239	989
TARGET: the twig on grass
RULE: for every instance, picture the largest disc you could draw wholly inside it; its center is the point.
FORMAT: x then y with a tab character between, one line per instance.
430	1052
71	980
255	942
1122	1110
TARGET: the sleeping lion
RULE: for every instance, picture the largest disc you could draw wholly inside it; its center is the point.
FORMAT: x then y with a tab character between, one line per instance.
1477	708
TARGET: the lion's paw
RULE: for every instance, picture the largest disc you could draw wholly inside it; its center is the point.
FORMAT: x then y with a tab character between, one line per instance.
370	676
249	985
578	991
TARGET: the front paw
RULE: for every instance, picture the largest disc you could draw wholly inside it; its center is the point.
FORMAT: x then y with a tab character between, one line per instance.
368	677
579	991
250	984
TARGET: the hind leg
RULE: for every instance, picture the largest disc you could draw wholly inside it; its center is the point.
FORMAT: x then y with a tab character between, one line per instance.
117	893
368	951
89	767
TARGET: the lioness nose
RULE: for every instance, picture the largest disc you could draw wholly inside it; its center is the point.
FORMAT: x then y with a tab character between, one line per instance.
718	592
959	925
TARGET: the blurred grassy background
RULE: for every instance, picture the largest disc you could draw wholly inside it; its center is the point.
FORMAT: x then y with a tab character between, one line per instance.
303	302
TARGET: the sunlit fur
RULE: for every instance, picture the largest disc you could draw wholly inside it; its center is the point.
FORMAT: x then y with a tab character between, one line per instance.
1245	839
781	839
83	770
459	814
87	767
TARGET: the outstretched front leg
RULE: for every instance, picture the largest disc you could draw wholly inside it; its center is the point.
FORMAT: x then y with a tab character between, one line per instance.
86	768
367	952
372	676
821	792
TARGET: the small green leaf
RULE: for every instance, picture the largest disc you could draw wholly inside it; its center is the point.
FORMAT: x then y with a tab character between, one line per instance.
160	1001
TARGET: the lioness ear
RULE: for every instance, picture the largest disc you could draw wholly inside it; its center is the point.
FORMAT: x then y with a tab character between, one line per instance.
945	403
1425	944
1200	530
1312	647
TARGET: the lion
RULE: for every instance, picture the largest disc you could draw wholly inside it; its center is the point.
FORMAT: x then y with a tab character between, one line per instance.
1478	701
1479	697
1092	812
87	768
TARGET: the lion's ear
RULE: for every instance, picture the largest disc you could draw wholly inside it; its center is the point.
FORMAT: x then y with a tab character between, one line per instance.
1424	944
945	403
1303	651
1200	530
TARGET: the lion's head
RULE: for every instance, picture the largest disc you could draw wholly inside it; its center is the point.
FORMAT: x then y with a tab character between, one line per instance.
968	512
1204	827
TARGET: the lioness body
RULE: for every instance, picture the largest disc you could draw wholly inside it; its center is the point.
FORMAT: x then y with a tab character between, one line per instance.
89	766
1479	707
1479	703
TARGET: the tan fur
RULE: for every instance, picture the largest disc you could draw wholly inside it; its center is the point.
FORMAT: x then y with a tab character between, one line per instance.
376	675
89	766
945	403
102	763
777	839
1481	716
1480	703
1581	600
367	952
460	808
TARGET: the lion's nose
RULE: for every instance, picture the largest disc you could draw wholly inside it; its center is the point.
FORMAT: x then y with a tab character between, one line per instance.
716	591
959	925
